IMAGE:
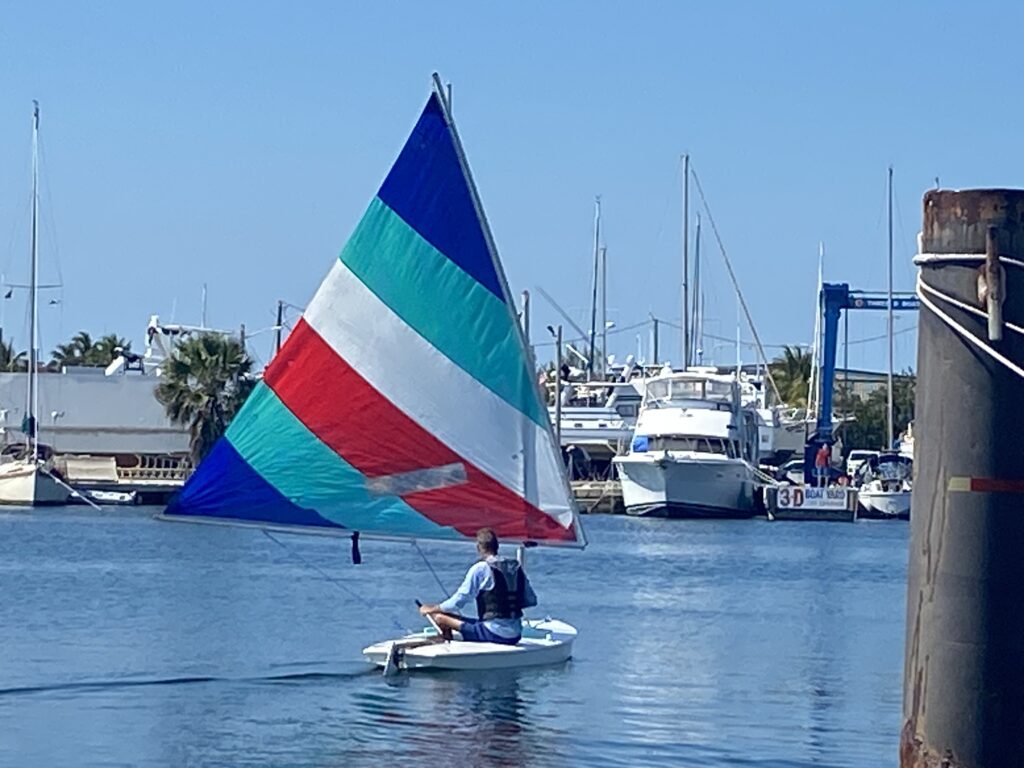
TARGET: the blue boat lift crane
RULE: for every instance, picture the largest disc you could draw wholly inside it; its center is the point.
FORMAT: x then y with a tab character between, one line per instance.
833	299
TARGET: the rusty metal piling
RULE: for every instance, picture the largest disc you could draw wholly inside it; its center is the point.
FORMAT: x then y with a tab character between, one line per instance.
963	692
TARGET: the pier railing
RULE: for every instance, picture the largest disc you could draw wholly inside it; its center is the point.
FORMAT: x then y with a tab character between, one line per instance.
156	471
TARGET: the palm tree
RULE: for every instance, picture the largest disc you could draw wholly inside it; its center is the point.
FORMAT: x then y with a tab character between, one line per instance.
203	385
792	373
65	354
105	349
11	360
74	352
83	350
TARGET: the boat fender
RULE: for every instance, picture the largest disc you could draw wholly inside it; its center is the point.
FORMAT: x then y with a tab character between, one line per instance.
357	557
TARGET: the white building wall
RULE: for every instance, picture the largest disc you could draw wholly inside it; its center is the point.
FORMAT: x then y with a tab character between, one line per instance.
85	412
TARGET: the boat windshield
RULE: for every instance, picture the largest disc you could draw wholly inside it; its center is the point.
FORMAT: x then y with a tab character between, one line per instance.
695	443
675	390
892	470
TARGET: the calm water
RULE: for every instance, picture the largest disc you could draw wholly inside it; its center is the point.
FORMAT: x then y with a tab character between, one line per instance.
124	641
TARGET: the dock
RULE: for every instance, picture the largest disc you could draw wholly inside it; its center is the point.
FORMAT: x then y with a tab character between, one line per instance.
599	496
154	479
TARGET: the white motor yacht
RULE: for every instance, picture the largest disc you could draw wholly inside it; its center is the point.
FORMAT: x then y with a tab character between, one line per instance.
693	451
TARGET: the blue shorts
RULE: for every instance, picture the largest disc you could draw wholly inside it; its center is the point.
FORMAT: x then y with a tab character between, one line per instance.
474	631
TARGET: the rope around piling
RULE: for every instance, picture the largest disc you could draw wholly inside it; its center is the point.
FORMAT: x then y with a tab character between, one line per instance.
926	293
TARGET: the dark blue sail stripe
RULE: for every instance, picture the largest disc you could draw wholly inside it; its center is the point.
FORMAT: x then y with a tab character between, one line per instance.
427	188
225	486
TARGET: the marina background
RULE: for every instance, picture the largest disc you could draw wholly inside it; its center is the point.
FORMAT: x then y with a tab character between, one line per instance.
207	164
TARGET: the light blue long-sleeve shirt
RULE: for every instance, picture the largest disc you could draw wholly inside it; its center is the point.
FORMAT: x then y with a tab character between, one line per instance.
479	579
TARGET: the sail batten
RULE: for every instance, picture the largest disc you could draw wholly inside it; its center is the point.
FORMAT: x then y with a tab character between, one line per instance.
403	403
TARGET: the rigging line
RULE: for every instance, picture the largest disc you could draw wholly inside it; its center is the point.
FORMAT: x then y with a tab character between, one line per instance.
750	343
430	568
735	282
340	585
867	339
48	221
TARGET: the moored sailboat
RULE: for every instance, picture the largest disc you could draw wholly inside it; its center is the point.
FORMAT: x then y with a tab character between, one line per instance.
27	480
384	415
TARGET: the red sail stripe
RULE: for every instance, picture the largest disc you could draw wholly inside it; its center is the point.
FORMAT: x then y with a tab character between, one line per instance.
341	408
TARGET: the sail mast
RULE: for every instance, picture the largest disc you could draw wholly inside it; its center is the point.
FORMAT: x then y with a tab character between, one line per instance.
814	383
686	261
30	435
604	309
696	331
530	491
889	404
593	298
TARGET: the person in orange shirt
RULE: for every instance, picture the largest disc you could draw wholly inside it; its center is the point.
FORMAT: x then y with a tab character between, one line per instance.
821	459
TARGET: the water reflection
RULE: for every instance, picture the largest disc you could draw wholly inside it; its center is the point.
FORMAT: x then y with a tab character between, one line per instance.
494	719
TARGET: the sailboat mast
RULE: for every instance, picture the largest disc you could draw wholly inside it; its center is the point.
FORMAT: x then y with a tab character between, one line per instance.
593	297
696	332
889	404
813	385
686	261
604	308
530	489
33	354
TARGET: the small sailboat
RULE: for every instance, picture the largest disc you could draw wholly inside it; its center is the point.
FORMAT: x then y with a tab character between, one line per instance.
404	402
27	480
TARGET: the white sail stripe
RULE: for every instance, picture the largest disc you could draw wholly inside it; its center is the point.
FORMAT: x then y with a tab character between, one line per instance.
430	389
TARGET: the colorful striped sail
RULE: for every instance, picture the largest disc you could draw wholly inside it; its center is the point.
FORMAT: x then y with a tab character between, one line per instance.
404	402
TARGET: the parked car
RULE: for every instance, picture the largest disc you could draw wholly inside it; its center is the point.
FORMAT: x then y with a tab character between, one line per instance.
856	458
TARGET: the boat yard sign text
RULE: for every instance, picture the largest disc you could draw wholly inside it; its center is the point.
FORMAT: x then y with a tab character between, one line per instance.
809	497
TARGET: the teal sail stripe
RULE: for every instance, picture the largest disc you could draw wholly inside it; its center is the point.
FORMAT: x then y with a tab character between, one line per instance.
302	469
460	317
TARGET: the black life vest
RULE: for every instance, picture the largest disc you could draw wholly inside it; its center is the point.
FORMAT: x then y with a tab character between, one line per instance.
505	599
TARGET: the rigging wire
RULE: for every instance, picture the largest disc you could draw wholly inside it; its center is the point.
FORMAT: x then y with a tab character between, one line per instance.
735	283
339	584
430	567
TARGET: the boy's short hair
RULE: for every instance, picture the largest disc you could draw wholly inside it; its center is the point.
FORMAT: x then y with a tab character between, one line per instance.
487	540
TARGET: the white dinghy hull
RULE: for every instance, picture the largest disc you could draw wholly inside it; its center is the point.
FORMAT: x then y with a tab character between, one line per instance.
544	642
886	504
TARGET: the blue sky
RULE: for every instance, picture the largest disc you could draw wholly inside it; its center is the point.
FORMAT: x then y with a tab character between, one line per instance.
236	144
